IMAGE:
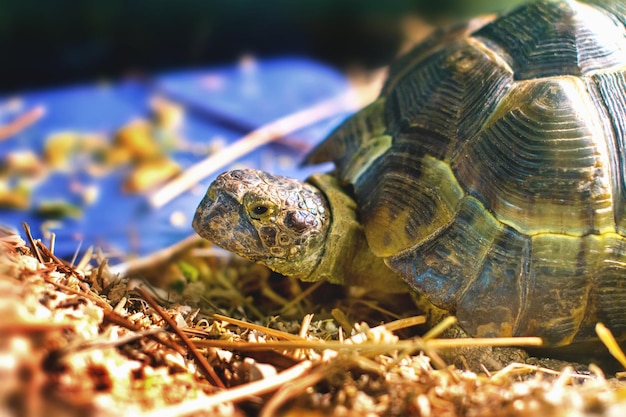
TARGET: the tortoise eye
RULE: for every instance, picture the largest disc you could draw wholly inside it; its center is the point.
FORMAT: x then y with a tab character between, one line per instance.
258	211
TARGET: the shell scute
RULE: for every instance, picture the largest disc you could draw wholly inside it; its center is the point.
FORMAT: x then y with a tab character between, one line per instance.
449	262
406	198
608	90
551	38
559	289
447	97
492	304
542	162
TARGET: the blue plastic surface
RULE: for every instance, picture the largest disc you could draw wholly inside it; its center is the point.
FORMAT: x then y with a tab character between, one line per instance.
222	103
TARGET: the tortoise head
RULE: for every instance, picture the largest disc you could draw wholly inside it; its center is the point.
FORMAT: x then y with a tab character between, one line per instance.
274	220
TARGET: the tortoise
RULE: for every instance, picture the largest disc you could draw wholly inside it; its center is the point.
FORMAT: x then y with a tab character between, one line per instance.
489	177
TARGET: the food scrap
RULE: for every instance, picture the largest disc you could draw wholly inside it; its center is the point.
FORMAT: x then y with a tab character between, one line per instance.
142	149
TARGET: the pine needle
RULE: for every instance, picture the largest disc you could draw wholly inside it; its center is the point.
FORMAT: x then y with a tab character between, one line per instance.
606	336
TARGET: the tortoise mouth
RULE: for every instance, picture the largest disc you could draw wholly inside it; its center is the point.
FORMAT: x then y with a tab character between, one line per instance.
202	215
213	213
220	219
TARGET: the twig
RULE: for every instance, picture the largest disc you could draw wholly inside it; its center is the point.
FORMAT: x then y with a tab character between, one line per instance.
89	295
296	387
235	394
396	325
129	267
301	296
200	360
31	241
115	318
440	327
485	341
21	122
248	143
252	326
85	259
408	345
606	336
525	368
53	239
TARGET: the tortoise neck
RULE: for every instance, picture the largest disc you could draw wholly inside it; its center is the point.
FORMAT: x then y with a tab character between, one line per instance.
347	257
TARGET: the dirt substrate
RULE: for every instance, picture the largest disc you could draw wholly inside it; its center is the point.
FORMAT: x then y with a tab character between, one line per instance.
213	335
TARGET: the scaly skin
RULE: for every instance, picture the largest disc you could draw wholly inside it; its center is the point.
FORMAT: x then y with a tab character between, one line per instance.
308	230
266	218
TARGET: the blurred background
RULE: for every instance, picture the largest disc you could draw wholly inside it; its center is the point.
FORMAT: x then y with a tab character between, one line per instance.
61	41
103	102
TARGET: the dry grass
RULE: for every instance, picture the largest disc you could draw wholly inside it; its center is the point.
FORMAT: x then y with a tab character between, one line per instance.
220	336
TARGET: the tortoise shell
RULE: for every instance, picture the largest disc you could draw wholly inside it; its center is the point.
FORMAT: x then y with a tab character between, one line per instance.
490	173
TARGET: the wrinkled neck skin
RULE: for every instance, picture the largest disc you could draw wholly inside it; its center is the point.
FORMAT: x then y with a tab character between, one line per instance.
347	258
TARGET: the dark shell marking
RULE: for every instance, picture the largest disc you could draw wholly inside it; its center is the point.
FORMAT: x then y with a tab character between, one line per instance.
491	171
